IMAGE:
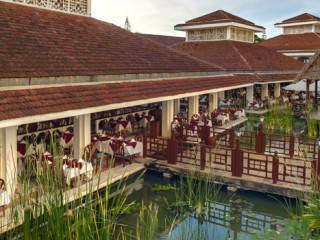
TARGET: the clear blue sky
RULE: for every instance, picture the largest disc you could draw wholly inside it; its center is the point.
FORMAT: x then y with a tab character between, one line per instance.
159	16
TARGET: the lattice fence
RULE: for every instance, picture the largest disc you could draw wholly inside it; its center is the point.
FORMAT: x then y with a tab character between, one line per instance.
72	6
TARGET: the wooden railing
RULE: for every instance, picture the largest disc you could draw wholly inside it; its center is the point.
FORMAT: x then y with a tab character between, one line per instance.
259	142
237	161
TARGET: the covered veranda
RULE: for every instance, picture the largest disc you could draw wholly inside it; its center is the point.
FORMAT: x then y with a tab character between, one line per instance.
73	116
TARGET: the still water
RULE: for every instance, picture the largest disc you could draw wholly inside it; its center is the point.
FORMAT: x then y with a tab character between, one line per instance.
232	216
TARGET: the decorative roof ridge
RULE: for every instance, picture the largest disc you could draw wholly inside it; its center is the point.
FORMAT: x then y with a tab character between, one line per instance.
241	56
296	20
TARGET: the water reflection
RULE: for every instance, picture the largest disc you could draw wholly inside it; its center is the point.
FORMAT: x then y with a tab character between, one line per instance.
233	216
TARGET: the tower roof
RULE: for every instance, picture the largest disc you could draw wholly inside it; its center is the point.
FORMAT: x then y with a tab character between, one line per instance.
302	18
217	18
305	17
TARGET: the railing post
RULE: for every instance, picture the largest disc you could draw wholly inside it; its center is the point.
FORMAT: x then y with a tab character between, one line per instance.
181	131
291	145
144	142
260	140
315	165
231	138
237	160
257	142
203	156
173	148
205	134
275	167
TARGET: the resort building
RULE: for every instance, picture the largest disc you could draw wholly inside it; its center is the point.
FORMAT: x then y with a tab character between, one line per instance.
227	40
63	70
300	38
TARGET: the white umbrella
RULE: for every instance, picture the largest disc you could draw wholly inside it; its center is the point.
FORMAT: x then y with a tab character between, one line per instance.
301	86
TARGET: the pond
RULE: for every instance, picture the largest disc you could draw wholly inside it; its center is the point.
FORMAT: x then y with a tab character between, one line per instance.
232	215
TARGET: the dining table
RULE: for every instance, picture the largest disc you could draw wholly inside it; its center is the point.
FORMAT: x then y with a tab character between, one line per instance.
23	149
123	125
240	113
223	117
67	140
201	123
145	121
225	102
131	147
76	172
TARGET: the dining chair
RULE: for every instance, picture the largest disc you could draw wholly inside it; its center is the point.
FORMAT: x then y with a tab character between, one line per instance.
121	156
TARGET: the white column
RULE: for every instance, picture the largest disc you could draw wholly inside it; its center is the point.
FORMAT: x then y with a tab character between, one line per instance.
221	95
176	106
249	94
277	89
8	157
89	8
82	134
193	106
213	102
166	117
264	91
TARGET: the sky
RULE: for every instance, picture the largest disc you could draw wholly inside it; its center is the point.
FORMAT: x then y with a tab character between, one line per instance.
160	16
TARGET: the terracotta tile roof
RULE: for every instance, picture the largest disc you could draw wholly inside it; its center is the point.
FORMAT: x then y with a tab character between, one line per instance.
41	43
240	56
165	40
219	16
305	17
30	102
293	42
275	77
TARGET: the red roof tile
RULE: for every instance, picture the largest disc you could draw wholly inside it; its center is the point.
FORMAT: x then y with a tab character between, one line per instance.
41	43
61	99
239	56
165	40
276	77
305	17
219	16
293	42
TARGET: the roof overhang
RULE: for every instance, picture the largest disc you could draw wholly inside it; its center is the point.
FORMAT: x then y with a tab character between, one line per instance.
186	27
300	54
281	81
78	112
282	25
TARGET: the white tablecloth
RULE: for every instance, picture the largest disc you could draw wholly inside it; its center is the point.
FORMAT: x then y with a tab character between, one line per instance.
119	127
76	172
257	105
271	102
222	103
29	152
4	198
201	123
106	148
285	99
240	113
295	97
191	132
66	145
144	122
223	118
